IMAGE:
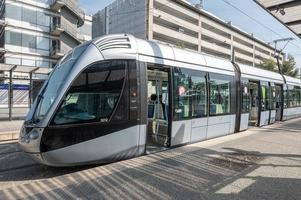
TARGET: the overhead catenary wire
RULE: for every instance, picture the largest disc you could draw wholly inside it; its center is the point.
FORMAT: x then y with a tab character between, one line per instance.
142	9
257	21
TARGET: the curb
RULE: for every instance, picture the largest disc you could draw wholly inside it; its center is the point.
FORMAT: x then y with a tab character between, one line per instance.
7	136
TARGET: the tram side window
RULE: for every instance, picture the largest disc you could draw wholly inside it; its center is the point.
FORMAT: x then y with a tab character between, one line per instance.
271	98
246	98
220	95
285	99
94	94
264	97
190	94
290	96
198	94
298	95
294	96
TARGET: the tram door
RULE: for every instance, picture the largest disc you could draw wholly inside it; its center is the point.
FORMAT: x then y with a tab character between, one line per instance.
279	102
158	103
254	111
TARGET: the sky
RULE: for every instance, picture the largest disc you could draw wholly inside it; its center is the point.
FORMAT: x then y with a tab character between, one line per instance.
261	29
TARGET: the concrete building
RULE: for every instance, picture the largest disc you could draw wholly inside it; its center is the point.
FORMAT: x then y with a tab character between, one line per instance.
181	24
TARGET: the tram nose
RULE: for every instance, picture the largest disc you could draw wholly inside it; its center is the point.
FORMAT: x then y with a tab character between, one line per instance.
29	139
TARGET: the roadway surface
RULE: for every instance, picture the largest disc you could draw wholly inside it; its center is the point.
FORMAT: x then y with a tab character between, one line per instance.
257	164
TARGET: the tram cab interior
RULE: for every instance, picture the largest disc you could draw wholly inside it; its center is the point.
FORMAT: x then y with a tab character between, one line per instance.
158	109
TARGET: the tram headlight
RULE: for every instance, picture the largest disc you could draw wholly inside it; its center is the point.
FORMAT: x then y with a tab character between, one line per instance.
27	137
34	134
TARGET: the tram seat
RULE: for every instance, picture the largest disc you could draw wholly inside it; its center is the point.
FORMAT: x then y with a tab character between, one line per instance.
216	108
219	108
157	124
199	109
151	110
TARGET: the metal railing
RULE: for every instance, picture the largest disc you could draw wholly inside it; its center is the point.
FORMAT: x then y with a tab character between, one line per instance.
74	8
55	49
69	29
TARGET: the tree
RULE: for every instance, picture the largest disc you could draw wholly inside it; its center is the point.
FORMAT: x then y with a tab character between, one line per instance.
289	68
269	64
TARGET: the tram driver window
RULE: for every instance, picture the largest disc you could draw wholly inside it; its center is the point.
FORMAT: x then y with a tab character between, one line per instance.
93	95
220	87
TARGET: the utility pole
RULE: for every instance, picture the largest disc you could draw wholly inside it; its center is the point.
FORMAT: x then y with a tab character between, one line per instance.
287	40
200	5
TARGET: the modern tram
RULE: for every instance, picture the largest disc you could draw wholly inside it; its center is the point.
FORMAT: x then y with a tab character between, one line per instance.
117	97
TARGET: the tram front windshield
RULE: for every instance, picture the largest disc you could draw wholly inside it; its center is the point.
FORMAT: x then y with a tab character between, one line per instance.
56	81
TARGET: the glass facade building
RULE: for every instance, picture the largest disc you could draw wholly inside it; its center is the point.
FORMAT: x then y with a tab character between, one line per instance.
28	37
36	33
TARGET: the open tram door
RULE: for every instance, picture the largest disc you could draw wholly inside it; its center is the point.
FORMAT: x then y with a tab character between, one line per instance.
279	102
272	103
158	107
255	103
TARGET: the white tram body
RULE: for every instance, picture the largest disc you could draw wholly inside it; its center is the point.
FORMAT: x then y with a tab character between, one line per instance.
292	108
118	97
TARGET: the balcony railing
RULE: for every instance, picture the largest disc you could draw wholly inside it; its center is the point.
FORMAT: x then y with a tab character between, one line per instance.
68	28
56	29
57	52
72	6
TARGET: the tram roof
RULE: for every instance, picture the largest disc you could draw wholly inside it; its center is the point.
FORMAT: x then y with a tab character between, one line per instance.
292	81
127	45
260	74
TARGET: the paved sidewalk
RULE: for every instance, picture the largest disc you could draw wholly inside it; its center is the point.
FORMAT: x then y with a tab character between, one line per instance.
9	130
261	163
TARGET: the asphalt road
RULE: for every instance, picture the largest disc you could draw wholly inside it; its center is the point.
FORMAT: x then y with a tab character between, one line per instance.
260	163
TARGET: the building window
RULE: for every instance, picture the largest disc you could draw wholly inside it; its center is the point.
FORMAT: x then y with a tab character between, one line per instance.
29	41
13	38
220	94
13	12
41	63
43	43
29	16
13	61
43	19
28	62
